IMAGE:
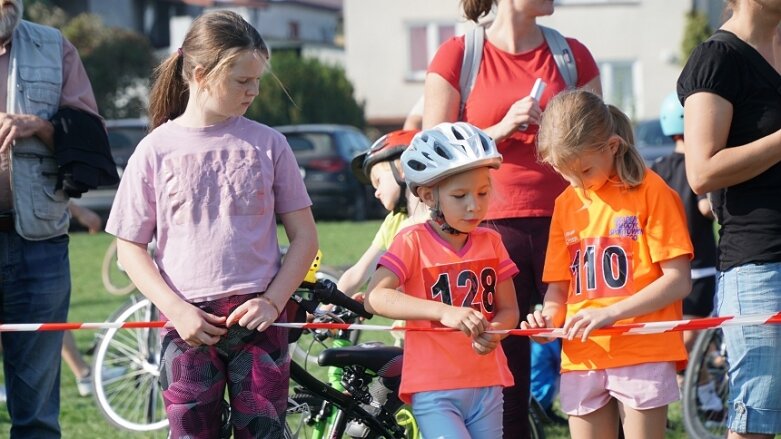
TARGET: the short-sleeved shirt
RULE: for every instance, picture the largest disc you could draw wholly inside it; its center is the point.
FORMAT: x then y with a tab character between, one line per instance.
210	196
672	169
523	186
608	249
430	268
388	229
748	212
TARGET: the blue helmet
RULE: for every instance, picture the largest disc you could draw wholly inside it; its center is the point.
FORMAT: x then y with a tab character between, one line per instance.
671	115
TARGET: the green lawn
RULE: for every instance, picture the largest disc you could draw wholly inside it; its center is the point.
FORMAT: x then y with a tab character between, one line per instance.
341	242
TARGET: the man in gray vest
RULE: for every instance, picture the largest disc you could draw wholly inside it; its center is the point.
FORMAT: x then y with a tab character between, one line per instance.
40	72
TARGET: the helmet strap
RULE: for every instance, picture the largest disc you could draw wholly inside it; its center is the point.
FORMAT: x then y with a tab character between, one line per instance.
439	218
401	203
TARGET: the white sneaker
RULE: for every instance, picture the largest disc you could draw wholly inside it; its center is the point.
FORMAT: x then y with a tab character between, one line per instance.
84	384
2	394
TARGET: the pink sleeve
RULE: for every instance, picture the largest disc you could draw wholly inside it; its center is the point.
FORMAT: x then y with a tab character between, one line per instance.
507	268
76	88
447	61
133	215
289	190
400	255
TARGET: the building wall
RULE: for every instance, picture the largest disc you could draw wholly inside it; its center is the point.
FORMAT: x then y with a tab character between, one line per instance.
639	39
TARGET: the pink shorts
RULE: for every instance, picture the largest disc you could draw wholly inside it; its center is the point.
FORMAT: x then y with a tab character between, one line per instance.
641	387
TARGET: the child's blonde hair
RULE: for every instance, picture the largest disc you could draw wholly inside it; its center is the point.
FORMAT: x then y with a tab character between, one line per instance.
579	121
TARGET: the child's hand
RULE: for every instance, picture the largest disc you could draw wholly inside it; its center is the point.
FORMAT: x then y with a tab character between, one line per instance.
253	314
537	320
466	320
197	327
485	343
587	320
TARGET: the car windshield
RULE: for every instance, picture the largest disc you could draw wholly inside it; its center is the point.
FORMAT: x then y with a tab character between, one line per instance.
649	133
123	141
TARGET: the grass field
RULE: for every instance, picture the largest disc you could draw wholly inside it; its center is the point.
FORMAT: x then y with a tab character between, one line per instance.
341	242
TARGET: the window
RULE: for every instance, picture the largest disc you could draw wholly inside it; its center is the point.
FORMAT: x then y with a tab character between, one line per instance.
293	30
424	40
618	85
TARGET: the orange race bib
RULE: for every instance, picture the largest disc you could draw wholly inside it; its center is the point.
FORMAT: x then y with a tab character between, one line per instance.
601	267
467	284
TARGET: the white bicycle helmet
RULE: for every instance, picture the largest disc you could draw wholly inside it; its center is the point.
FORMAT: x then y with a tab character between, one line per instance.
447	149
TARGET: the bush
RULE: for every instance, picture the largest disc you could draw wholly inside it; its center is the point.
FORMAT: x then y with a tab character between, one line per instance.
299	90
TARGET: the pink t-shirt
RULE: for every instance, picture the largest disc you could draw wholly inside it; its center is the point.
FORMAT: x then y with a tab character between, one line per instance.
429	268
210	196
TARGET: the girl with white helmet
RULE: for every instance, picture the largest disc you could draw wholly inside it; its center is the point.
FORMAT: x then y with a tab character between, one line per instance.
449	272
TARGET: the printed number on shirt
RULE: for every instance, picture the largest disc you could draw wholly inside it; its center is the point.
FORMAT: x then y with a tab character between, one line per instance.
467	284
600	267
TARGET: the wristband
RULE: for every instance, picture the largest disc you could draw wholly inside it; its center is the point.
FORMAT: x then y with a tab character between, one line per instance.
271	302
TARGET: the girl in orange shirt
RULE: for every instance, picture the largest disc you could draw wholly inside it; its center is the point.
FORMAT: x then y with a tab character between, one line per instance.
618	252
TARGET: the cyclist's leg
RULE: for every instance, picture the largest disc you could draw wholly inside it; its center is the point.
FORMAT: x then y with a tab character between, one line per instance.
485	421
259	369
754	351
441	413
193	382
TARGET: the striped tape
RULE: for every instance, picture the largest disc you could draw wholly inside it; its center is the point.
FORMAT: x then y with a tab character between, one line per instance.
627	329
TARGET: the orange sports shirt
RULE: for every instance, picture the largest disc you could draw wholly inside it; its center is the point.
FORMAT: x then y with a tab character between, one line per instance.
429	268
608	248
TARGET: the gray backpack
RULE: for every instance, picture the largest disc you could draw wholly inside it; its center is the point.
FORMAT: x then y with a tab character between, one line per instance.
473	55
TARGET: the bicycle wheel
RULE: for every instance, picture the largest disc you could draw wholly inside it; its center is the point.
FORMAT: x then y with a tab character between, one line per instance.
302	408
536	418
115	280
131	400
707	361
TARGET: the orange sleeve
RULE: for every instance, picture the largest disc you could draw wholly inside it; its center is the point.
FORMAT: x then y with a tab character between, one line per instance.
666	230
557	257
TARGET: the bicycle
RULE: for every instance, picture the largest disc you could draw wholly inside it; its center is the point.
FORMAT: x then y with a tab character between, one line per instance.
708	360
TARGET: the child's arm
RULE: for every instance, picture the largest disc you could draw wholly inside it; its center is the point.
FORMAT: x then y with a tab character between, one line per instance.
506	317
554	310
196	327
357	275
382	298
674	284
261	312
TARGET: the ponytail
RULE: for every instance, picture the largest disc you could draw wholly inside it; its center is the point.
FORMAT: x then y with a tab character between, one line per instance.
630	166
476	9
170	93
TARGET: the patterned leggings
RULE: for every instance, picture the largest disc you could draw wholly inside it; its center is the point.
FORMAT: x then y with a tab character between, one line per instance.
254	366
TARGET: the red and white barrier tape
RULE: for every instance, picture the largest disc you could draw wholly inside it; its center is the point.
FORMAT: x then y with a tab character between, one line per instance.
629	329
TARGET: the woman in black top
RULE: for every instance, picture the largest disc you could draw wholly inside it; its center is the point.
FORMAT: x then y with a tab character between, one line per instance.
731	89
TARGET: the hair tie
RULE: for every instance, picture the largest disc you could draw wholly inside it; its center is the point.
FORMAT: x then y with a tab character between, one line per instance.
179	50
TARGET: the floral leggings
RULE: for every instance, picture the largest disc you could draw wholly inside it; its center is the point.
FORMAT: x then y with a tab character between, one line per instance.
253	365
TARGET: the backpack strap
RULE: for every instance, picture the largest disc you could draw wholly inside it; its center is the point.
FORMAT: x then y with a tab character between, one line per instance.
562	54
470	65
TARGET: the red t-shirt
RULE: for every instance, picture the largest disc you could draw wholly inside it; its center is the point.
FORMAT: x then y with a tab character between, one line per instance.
429	268
523	186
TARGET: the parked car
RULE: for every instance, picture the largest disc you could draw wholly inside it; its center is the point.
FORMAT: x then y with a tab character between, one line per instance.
323	153
651	141
123	136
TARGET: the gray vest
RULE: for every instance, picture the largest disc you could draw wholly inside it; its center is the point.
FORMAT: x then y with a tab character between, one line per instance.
34	87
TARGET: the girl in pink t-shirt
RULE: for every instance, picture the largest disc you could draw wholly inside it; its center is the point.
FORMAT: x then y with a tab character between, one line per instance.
450	272
206	183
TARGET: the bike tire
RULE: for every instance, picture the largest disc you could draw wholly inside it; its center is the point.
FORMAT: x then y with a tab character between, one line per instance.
133	400
301	407
536	420
114	278
708	355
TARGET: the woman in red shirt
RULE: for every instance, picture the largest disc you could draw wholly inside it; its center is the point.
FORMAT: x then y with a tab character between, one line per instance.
515	54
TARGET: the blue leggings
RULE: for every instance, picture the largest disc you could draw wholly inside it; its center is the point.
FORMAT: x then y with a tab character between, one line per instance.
460	413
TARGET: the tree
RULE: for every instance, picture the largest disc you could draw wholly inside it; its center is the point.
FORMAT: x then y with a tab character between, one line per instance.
118	61
696	31
299	90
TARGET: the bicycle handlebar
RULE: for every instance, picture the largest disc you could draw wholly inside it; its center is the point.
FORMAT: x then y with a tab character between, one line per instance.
327	293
